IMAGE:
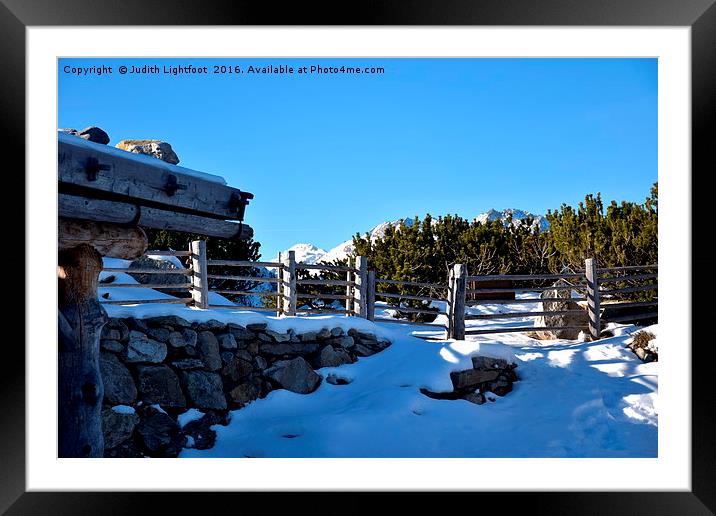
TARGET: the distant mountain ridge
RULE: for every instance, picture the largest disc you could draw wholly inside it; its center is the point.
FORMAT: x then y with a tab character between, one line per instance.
312	254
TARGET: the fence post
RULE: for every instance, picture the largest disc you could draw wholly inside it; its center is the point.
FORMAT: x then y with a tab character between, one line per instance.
450	302
279	286
349	291
360	289
457	302
370	301
591	273
289	284
199	280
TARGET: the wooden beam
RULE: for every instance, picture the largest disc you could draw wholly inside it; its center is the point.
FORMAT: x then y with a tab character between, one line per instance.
101	210
590	271
127	177
108	239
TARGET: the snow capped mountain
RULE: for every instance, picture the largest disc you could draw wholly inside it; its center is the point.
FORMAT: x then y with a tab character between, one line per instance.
517	215
305	253
311	254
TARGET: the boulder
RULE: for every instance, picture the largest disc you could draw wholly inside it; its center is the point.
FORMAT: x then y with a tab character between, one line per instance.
336	332
143	349
243	394
190	337
487	363
331	357
94	134
160	434
294	375
117	426
579	319
176	339
118	325
278	337
237	369
289	348
256	326
227	341
204	389
160	385
119	388
344	341
209	350
188	363
471	378
157	148
159	334
309	336
173	321
111	345
363	351
260	363
239	332
210	325
323	334
475	397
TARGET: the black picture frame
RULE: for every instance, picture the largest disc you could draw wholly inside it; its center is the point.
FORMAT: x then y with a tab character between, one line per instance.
700	15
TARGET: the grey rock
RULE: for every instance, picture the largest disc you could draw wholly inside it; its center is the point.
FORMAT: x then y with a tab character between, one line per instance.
239	332
324	334
237	369
210	325
110	333
190	337
294	375
471	378
204	389
331	357
119	388
160	385
345	342
159	334
111	345
226	357
579	318
256	326
487	363
309	336
176	340
244	355
363	351
117	427
173	321
188	363
264	337
227	341
336	332
160	434
253	347
157	148
94	134
289	348
243	394
278	337
475	397
209	350
117	324
260	363
142	349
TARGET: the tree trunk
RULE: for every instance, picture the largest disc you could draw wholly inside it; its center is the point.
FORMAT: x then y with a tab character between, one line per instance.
81	318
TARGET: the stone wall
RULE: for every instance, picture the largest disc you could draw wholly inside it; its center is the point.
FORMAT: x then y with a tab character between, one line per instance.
166	380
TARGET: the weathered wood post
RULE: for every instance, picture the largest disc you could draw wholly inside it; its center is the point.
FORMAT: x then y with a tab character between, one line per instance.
279	287
199	279
370	302
592	275
289	284
360	296
450	303
349	289
80	322
459	285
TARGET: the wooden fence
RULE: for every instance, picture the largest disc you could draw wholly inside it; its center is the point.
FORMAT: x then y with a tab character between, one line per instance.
607	294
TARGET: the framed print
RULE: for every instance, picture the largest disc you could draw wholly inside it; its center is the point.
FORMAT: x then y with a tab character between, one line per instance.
416	253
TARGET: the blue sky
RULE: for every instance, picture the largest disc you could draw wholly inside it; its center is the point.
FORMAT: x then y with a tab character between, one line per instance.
329	155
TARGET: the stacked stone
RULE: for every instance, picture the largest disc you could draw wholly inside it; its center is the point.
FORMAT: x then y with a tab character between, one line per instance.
488	375
156	369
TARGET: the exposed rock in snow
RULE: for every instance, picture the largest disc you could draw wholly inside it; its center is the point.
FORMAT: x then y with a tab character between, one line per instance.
156	148
517	215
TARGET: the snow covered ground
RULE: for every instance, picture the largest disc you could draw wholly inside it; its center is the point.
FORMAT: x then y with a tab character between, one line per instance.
574	398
